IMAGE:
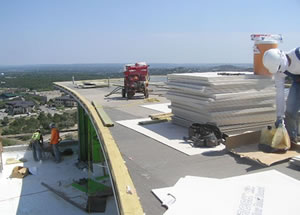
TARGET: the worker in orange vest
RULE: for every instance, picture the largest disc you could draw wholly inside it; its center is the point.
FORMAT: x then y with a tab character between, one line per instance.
55	139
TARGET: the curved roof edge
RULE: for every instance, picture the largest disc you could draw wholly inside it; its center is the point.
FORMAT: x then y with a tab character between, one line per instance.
125	192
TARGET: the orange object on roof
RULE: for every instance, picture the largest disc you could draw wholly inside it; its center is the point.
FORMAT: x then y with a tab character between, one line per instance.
262	43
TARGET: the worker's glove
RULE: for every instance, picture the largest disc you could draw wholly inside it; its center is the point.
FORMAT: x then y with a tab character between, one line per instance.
294	77
279	122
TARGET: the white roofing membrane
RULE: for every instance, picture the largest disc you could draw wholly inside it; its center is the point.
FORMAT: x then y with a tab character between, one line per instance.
27	196
168	134
163	107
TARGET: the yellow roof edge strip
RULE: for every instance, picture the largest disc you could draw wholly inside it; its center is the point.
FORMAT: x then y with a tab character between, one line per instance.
128	200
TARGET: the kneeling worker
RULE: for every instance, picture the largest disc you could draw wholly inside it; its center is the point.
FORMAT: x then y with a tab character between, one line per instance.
281	65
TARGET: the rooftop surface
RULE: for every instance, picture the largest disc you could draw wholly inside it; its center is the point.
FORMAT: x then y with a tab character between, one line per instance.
152	164
28	196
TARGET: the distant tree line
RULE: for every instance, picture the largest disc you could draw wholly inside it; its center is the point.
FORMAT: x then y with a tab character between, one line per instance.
41	80
34	79
42	121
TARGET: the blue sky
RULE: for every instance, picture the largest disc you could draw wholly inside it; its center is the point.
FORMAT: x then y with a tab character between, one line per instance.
157	31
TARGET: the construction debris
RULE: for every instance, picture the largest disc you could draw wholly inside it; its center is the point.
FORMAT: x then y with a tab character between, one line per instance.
63	196
234	101
246	145
96	204
14	160
33	170
92	187
19	172
97	194
81	165
151	100
148	122
161	116
92	84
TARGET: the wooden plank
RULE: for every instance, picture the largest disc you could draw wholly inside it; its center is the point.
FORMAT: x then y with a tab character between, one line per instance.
161	116
124	190
148	122
103	115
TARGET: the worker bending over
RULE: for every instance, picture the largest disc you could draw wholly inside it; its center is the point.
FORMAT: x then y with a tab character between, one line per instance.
55	139
281	65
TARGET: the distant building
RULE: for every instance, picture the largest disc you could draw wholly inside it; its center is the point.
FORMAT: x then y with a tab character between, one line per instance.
40	99
50	95
43	99
19	107
8	96
65	101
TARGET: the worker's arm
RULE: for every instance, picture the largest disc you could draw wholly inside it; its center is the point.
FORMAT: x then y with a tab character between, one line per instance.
280	100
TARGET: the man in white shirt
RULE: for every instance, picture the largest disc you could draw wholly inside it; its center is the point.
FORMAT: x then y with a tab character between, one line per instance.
281	65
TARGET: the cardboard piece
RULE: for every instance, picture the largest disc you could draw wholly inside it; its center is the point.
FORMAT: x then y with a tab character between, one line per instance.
19	172
246	146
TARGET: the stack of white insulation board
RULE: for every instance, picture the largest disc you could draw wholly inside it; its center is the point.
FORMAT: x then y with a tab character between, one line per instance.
235	101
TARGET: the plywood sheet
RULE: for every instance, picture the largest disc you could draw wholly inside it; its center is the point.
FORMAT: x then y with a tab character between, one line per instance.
169	134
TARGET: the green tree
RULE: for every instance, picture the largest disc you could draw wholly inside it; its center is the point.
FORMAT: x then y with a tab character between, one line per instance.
5	121
42	116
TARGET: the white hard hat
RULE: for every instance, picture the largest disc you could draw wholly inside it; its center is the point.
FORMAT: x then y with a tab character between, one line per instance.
273	59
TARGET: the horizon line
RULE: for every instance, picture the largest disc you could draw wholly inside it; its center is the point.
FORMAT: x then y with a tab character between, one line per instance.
61	64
